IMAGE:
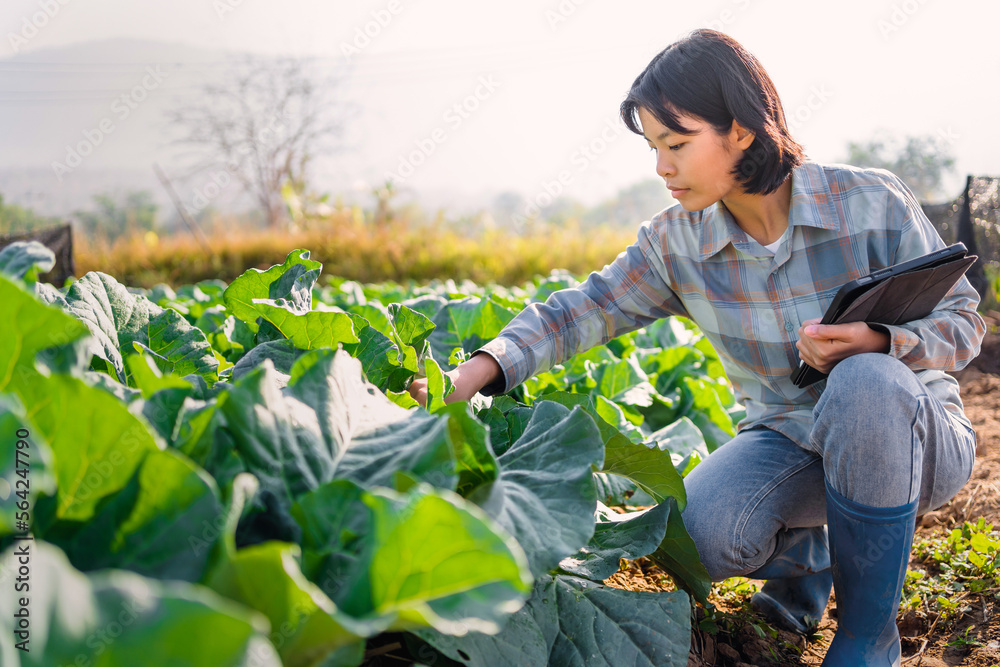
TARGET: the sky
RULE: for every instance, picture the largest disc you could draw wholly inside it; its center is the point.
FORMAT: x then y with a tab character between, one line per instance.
464	100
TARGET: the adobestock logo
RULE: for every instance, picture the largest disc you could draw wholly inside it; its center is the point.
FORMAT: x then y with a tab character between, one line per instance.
899	16
562	12
32	25
454	116
363	35
801	114
582	158
223	7
121	108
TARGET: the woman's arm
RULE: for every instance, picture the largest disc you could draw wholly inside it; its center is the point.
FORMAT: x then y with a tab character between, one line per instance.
468	378
626	295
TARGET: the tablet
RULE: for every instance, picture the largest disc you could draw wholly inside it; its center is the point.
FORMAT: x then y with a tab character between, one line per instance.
900	293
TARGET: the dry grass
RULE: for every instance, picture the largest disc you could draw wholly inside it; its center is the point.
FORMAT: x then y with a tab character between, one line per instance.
354	248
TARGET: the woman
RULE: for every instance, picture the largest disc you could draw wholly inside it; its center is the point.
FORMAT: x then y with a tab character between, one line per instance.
755	250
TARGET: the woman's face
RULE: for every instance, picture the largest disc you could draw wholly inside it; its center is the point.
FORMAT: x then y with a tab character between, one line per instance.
697	168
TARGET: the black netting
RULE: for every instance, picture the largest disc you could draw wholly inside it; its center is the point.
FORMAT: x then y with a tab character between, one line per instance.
974	219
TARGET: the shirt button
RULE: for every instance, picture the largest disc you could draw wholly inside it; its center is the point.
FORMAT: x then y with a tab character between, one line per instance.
789	326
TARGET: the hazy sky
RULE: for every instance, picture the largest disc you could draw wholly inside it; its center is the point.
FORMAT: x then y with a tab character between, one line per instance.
537	84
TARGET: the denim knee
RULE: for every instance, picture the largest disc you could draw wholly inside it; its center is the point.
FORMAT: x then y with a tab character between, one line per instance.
868	428
868	397
717	537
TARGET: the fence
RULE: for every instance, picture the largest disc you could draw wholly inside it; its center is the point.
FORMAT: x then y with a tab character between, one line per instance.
973	218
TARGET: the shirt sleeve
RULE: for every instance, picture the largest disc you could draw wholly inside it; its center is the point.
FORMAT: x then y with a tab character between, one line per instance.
626	295
950	337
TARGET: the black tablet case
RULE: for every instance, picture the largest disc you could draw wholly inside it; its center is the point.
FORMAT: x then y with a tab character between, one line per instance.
894	295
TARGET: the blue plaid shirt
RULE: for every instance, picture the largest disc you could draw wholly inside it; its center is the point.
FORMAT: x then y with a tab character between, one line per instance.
844	222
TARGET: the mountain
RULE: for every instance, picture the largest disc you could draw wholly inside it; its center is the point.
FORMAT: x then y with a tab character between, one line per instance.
88	118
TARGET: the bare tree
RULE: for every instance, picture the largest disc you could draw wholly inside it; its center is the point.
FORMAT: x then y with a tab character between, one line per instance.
264	123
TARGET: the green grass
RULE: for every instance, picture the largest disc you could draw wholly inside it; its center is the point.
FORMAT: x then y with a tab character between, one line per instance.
959	568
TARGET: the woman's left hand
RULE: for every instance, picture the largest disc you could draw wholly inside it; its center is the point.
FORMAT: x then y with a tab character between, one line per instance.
823	345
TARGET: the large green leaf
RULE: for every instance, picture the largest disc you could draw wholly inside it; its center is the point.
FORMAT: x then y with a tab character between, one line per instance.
121	618
708	414
267	577
184	348
309	330
624	382
678	555
278	439
162	524
292	279
367	437
468	324
426	558
544	494
651	468
379	356
411	327
25	260
114	316
30	326
328	422
97	444
574	622
618	536
470	438
282	353
25	465
118	320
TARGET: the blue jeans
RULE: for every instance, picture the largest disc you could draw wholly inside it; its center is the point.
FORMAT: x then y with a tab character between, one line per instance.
883	441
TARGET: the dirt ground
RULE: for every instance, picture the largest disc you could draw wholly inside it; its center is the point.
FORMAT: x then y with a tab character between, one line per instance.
925	643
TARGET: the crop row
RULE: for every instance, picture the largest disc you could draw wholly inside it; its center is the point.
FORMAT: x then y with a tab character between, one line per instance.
234	474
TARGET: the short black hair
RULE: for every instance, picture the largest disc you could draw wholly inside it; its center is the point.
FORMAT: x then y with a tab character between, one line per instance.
711	76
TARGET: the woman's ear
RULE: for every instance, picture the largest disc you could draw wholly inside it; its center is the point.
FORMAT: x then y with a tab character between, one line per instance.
740	136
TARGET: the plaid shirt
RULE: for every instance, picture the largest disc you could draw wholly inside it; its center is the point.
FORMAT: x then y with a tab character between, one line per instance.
844	222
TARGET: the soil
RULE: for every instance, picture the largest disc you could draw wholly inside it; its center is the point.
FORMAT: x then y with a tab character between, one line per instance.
925	643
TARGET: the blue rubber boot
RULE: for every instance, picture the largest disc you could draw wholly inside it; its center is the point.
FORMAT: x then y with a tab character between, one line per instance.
870	548
798	581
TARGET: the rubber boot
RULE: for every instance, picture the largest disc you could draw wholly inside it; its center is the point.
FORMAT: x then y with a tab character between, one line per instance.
870	549
798	581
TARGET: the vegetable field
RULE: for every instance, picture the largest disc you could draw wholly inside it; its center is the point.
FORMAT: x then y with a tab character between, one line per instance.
217	474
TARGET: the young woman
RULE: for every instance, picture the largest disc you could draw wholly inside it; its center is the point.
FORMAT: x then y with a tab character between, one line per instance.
821	486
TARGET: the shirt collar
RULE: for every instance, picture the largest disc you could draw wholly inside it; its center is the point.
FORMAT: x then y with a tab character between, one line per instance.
811	206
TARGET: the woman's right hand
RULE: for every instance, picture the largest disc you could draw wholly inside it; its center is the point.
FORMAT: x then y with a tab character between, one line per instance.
468	378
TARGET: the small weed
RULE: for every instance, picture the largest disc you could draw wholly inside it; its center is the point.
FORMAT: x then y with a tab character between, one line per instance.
966	642
960	565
